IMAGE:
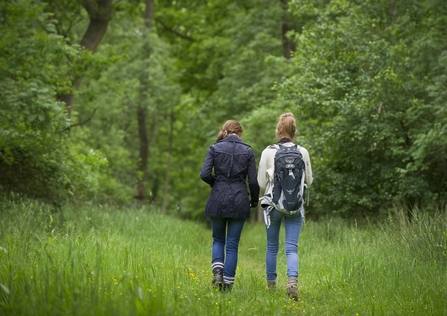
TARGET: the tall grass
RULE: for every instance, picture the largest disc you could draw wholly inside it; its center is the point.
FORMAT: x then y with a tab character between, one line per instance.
96	261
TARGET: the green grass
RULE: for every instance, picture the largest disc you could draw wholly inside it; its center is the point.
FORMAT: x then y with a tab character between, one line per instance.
96	261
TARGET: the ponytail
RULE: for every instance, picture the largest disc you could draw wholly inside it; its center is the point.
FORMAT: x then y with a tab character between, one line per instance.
229	127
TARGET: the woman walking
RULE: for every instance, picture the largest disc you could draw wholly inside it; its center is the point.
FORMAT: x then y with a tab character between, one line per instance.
229	202
285	133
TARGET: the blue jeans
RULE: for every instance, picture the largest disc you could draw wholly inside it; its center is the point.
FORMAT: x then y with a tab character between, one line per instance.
226	235
293	225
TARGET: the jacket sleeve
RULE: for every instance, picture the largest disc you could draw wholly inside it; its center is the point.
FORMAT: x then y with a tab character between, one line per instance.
252	178
309	176
207	167
265	170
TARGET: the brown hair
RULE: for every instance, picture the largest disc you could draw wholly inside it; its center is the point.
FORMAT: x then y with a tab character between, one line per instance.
286	127
229	127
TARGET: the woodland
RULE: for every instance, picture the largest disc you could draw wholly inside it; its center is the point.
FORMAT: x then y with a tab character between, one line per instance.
115	102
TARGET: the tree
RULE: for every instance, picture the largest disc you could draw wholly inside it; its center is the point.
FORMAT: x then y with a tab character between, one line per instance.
134	96
364	87
99	14
36	159
142	106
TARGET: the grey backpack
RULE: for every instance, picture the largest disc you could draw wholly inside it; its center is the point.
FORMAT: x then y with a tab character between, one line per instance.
288	181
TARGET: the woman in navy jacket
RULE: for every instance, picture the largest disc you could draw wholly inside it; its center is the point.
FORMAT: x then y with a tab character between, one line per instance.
229	202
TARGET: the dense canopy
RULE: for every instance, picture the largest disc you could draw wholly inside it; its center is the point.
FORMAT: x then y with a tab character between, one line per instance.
115	101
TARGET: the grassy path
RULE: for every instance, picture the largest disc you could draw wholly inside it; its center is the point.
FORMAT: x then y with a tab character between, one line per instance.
139	262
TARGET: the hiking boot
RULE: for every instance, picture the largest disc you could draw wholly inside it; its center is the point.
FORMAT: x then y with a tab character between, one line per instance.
292	292
218	278
227	287
271	285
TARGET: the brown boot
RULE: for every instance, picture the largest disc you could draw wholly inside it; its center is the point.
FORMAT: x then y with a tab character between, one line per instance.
292	291
292	288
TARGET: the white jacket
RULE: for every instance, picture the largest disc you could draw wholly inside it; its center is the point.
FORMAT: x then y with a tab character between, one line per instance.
267	167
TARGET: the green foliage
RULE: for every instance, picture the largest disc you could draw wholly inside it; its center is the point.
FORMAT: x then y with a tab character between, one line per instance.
115	96
368	104
103	261
36	157
228	58
366	81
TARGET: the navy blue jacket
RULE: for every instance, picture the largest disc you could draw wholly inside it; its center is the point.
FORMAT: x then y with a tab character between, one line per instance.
233	162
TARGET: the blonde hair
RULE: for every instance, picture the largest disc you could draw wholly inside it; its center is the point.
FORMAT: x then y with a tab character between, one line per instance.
286	126
229	127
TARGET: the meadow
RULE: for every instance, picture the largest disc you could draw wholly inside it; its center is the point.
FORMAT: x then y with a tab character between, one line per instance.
100	261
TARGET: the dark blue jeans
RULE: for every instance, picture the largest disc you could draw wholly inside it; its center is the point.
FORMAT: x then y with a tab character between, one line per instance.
226	235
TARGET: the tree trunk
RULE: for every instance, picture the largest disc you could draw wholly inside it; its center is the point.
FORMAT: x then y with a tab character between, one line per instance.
99	12
148	14
287	44
144	151
142	111
169	163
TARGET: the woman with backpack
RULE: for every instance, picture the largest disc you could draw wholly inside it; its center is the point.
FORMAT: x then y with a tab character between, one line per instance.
293	221
227	166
